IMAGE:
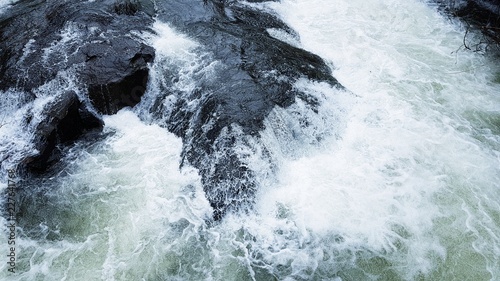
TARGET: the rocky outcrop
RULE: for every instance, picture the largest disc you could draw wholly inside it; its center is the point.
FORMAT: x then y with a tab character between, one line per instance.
92	43
116	73
66	119
92	39
256	73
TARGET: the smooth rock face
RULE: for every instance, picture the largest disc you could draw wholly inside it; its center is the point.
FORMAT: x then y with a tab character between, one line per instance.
116	83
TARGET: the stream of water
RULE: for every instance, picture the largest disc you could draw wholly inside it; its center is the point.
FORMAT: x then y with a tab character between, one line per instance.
396	178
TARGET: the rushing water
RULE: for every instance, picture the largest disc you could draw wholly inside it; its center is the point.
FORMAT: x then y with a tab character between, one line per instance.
5	4
396	179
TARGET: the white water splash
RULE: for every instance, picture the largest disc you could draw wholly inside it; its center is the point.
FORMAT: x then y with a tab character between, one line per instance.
5	4
117	205
397	180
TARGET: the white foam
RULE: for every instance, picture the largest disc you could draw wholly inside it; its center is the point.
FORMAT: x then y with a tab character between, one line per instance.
15	134
168	42
179	66
5	4
397	180
128	195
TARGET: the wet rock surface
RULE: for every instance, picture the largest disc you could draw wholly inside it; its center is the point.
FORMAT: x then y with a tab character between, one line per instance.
482	15
66	119
40	39
97	44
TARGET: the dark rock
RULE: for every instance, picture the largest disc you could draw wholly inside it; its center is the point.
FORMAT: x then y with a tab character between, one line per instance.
482	15
91	38
91	42
65	121
257	72
126	8
254	73
116	83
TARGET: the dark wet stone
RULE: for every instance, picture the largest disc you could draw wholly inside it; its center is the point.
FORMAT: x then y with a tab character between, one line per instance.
91	38
482	15
90	41
65	121
485	16
257	72
116	83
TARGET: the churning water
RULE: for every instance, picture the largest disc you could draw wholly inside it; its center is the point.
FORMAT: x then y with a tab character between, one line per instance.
397	178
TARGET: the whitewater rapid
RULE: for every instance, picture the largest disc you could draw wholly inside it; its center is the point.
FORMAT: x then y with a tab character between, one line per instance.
396	178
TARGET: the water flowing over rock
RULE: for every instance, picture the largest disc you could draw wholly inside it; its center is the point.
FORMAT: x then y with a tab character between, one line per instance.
65	121
234	154
93	38
65	47
98	46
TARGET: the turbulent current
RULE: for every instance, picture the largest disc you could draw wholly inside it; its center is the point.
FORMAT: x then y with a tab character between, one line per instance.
395	177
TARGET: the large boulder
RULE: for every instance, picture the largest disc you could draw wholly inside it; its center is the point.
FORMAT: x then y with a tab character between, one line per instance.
91	39
256	72
482	15
66	119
